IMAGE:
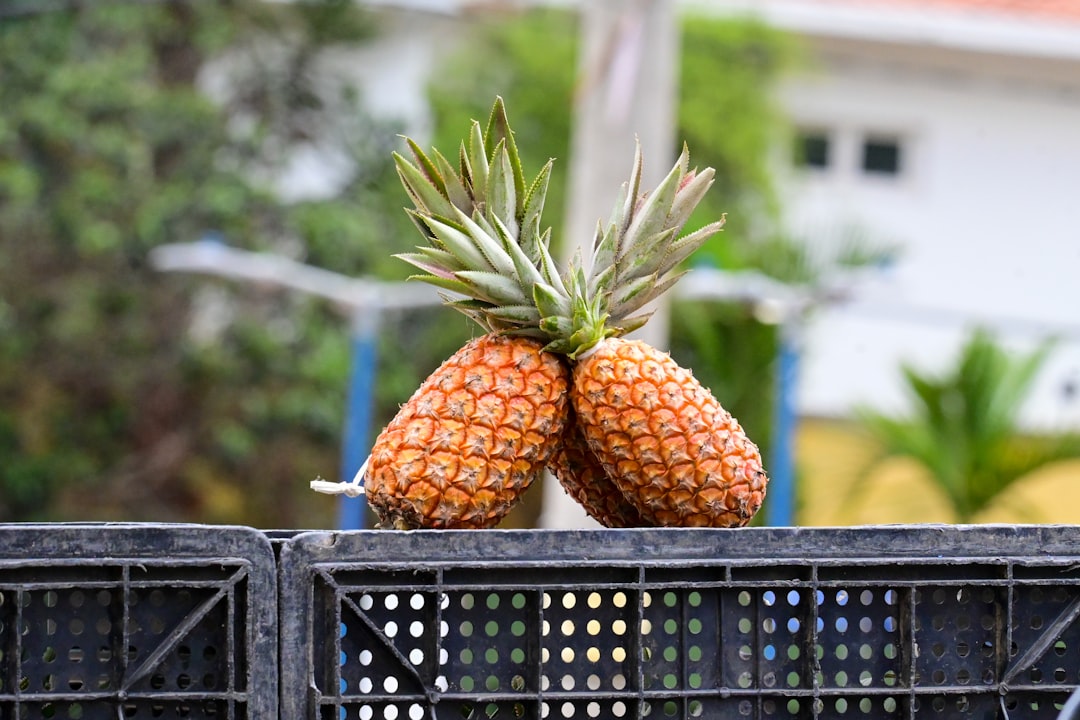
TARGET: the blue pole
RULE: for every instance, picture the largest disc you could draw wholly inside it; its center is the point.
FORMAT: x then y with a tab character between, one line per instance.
780	508
358	412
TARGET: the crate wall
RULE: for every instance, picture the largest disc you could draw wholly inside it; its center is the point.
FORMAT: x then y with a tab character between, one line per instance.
941	622
137	621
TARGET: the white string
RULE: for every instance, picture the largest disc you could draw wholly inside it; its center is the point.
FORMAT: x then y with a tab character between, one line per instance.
352	488
590	351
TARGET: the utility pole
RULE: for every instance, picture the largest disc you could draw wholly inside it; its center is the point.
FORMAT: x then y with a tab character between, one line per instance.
626	90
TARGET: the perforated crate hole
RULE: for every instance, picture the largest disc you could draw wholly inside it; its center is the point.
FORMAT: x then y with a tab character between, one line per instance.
858	640
394	711
679	636
67	640
764	638
387	642
586	639
587	709
141	709
103	642
959	632
1039	611
165	709
1036	705
489	640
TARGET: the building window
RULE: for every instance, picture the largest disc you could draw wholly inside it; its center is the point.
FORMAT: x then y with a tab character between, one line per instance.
812	149
881	156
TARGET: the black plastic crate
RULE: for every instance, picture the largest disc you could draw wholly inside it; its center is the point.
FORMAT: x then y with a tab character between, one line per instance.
889	622
137	621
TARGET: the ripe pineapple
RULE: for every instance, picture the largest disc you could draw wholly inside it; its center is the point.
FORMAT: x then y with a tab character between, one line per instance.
473	437
661	437
579	471
481	428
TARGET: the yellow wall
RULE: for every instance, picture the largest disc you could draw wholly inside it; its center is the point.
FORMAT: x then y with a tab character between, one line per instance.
830	454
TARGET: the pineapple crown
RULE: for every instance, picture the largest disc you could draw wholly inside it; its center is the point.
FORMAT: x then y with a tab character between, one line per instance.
484	242
633	259
483	227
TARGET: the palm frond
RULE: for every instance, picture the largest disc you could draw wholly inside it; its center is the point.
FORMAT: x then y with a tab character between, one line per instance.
963	427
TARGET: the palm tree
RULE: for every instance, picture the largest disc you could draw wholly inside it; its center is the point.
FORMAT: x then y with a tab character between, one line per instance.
964	428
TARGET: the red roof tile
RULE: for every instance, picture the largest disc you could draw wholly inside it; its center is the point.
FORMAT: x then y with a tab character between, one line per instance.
1052	10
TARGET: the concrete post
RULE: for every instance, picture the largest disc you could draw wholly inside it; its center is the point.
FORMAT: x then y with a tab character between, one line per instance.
626	89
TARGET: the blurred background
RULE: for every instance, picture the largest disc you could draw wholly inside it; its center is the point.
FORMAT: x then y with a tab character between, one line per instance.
199	311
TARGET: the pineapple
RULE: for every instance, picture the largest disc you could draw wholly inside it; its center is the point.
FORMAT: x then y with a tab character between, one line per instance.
471	440
631	435
662	438
584	479
483	426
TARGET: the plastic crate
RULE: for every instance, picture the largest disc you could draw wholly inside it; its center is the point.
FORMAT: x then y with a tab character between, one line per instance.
887	622
137	621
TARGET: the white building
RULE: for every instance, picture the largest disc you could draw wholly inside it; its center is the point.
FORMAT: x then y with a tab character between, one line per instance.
952	128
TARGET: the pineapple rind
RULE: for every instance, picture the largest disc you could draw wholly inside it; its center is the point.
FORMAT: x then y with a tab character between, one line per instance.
579	471
471	439
664	440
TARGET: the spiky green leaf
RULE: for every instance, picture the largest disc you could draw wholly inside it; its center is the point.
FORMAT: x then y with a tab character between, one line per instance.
652	216
465	170
623	297
618	212
424	195
557	326
662	286
501	196
478	161
497	258
685	246
452	284
548	267
529	240
692	193
602	282
427	167
471	304
459	244
493	287
517	314
629	325
533	208
499	129
477	316
550	302
456	190
633	189
525	270
424	261
420	226
484	224
585	338
683	163
605	247
648	258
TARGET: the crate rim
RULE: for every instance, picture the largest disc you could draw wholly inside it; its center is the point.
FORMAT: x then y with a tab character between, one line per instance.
73	545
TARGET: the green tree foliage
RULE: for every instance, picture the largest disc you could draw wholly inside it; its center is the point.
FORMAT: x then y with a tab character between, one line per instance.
727	116
963	429
113	405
